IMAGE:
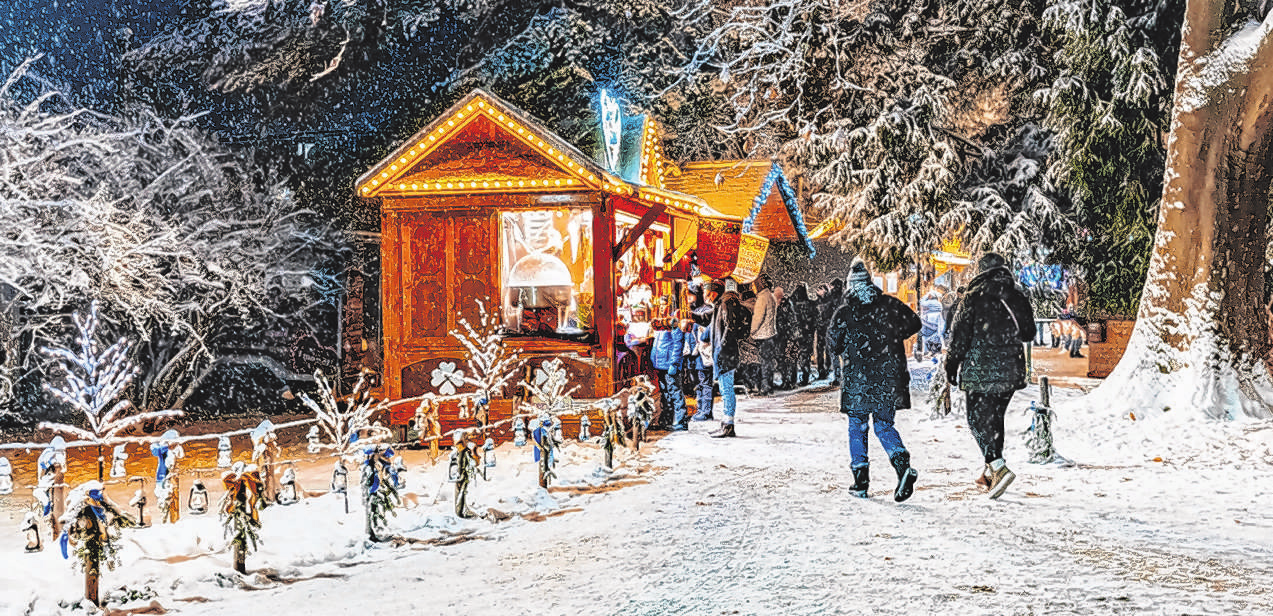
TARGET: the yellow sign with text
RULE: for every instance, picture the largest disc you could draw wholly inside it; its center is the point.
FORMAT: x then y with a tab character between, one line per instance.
751	255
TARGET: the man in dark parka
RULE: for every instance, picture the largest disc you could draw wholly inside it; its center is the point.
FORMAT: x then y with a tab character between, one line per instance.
992	321
806	310
731	324
867	332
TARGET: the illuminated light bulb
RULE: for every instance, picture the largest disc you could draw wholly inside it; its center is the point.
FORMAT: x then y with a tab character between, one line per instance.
550	150
403	160
375	182
365	189
470	107
393	168
521	131
441	130
438	186
501	117
450	122
417	187
521	182
486	185
560	157
384	174
461	114
449	185
569	181
412	152
534	183
433	138
472	184
402	187
481	104
557	182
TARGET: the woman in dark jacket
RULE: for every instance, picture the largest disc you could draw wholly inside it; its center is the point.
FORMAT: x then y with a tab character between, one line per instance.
731	324
788	338
992	321
867	333
828	363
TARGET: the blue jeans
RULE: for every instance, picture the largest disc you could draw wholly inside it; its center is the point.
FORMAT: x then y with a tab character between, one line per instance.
726	380
673	399
704	395
884	430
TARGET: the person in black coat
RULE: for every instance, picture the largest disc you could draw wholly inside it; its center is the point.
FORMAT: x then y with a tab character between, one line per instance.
827	304
731	324
986	358
867	332
789	338
806	314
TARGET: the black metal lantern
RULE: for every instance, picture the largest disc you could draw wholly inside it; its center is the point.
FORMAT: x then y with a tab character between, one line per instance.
223	452
584	427
117	462
558	437
31	529
287	487
198	499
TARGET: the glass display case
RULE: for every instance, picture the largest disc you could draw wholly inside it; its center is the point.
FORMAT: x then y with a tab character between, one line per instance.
546	263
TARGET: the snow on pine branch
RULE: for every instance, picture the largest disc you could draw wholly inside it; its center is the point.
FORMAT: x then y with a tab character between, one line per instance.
95	380
491	364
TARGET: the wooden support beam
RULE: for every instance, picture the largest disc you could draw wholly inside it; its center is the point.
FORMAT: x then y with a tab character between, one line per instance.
633	234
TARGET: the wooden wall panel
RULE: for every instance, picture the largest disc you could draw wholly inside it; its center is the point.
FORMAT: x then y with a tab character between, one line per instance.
425	280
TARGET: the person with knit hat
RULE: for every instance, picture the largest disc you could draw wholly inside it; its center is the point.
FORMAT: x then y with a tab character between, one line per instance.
867	332
986	358
730	326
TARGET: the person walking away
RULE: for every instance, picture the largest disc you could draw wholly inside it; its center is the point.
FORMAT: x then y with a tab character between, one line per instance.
931	324
867	332
806	315
730	326
788	339
669	340
986	358
764	330
826	309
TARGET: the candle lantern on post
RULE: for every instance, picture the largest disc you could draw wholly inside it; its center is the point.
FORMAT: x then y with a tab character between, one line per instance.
31	531
197	502
6	476
139	500
117	462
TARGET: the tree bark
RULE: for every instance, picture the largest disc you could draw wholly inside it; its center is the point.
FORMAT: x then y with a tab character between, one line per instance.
92	579
1202	336
240	559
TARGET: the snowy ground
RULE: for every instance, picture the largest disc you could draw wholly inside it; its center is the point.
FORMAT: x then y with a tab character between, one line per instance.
1161	515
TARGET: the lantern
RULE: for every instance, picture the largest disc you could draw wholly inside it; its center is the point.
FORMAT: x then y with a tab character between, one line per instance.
117	462
488	453
198	500
6	476
584	424
223	452
558	437
31	529
340	477
139	500
519	432
312	436
287	489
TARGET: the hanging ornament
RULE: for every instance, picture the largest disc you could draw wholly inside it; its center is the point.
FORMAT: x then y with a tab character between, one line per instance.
117	462
519	432
223	452
312	436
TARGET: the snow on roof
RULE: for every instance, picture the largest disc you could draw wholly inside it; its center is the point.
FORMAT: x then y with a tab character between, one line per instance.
755	190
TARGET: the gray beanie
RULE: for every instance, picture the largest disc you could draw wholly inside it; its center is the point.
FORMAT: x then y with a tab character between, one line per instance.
858	273
989	261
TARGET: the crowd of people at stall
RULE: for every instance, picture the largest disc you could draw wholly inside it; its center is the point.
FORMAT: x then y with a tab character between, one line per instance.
759	339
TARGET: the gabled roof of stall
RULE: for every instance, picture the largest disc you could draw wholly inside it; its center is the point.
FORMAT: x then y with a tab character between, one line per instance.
429	163
755	190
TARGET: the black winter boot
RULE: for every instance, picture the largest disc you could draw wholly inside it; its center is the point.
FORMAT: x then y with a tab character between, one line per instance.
906	475
861	481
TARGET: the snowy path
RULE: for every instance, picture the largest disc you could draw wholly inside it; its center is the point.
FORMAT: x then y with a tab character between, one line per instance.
763	524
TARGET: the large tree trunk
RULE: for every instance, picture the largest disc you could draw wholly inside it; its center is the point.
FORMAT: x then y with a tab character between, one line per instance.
1202	337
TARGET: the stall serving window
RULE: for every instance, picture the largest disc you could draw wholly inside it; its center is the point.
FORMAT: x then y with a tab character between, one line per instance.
546	263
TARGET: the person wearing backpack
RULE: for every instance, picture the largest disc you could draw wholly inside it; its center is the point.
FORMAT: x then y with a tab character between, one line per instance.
986	358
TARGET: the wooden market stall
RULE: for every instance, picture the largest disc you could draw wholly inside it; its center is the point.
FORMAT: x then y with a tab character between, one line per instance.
486	207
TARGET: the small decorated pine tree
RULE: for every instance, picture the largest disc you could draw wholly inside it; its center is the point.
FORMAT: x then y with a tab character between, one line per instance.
379	488
95	379
549	390
347	423
92	524
240	511
491	363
